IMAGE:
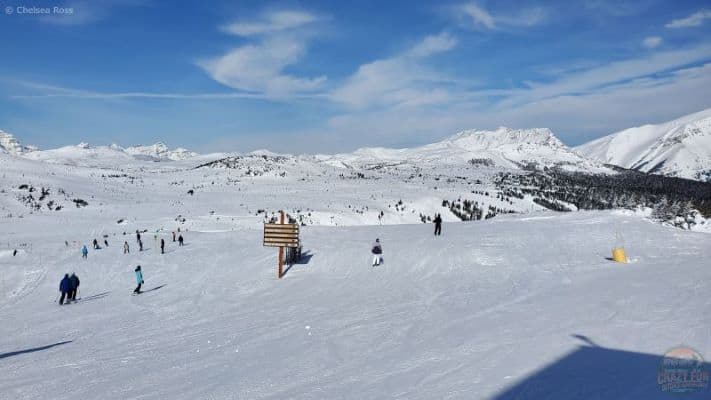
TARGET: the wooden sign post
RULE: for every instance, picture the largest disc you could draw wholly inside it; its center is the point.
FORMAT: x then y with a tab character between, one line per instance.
281	235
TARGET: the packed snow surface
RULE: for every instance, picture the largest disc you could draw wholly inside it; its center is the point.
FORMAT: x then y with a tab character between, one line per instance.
482	309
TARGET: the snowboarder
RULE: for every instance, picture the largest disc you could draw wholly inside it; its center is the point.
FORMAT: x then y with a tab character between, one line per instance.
139	279
180	240
74	280
377	252
126	249
64	286
162	246
84	251
438	225
140	245
96	244
173	236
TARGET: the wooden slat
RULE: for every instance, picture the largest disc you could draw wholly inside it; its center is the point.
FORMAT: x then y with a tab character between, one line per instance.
281	235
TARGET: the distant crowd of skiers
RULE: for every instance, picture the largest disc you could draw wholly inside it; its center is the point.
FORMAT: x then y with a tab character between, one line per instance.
69	285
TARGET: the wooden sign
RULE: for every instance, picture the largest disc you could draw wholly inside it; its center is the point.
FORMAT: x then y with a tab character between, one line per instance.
281	235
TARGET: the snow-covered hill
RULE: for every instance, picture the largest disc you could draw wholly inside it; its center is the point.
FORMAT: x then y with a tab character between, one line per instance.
9	144
680	148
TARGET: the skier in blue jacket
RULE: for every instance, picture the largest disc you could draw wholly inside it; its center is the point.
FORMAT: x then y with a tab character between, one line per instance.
65	286
84	251
139	279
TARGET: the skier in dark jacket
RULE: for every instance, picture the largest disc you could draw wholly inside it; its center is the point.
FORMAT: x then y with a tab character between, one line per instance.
138	236
180	241
438	225
75	286
64	286
162	246
106	243
96	244
377	252
139	279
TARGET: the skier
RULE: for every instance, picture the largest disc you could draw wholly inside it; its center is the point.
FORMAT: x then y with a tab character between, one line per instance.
64	286
106	242
14	253
84	251
140	245
74	280
126	249
162	246
96	245
138	236
438	225
377	252
139	279
173	236
180	240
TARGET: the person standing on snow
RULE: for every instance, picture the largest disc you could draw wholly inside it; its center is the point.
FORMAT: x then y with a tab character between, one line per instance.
173	236
162	246
438	225
106	242
64	286
75	286
84	251
138	236
139	279
126	249
180	240
140	245
377	252
96	244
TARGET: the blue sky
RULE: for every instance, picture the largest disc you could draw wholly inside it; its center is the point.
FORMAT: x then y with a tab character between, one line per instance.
324	76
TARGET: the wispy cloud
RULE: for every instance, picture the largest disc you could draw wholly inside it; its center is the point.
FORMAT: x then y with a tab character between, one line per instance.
270	23
400	80
652	42
259	67
695	19
475	16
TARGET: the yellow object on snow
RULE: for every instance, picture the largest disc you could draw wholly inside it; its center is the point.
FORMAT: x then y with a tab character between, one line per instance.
618	254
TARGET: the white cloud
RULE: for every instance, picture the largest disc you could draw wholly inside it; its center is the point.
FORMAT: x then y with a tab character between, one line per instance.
258	67
401	80
478	15
434	44
652	42
475	16
271	22
695	19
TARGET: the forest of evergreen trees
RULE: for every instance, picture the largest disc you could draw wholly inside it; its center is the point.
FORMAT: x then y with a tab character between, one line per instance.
668	197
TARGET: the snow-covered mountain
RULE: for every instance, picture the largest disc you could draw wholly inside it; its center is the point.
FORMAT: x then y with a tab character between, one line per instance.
680	148
113	156
160	151
503	147
9	144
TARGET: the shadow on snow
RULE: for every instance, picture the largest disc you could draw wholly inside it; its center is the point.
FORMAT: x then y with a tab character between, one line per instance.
32	350
593	372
